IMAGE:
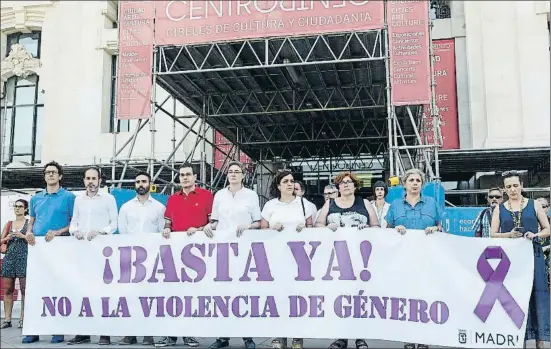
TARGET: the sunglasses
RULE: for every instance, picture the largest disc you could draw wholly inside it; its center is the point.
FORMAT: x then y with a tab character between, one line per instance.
510	174
331	193
494	196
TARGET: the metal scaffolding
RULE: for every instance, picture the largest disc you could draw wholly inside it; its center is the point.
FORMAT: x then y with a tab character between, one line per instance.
317	104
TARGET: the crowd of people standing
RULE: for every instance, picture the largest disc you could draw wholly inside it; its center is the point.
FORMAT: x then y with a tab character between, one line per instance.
235	209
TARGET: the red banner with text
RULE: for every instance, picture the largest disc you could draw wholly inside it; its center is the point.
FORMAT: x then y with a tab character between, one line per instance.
135	59
225	145
194	22
446	96
408	30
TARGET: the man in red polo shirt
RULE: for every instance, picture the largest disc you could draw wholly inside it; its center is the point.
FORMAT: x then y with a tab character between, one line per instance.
189	209
186	211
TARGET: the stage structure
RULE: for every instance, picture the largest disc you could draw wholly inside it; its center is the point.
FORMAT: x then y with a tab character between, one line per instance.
316	99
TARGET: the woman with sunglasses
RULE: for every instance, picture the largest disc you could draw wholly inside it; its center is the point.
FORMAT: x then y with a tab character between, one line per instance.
14	264
285	211
516	218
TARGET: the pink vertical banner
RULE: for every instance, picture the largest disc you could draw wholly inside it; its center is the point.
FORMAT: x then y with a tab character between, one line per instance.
446	95
135	61
224	144
408	30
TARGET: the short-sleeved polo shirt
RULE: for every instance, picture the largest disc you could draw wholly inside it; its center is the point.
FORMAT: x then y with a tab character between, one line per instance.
189	210
426	213
51	211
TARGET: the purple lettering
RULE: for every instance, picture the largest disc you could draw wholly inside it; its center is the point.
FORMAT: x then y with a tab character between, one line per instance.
418	311
303	260
235	307
397	308
107	272
270	307
147	305
85	308
126	264
359	303
298	306
166	258
316	306
193	262
365	249
48	303
174	306
204	306
221	304
341	310
223	261
344	262
377	304
439	312
258	253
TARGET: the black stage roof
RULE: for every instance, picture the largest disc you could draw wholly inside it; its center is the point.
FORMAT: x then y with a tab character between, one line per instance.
299	97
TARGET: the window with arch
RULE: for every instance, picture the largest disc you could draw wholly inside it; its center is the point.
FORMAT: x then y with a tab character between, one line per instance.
22	108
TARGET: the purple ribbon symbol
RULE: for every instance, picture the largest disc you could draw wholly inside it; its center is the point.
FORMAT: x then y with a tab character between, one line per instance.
495	290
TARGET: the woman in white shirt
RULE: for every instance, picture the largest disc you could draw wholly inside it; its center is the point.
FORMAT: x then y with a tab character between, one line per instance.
234	210
380	190
285	211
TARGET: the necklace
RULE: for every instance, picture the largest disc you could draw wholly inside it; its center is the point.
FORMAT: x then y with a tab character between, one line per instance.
379	210
516	217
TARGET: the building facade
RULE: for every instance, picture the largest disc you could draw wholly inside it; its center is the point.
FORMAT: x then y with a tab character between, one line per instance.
58	82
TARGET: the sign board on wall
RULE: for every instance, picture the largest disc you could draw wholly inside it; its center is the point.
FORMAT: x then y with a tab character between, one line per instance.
194	22
135	59
222	143
408	30
446	95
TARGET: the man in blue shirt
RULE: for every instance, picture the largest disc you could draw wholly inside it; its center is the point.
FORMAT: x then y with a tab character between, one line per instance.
50	211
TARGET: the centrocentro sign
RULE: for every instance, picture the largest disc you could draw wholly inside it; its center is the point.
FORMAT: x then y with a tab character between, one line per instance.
201	21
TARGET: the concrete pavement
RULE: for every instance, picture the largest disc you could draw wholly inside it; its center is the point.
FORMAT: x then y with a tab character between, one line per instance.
11	338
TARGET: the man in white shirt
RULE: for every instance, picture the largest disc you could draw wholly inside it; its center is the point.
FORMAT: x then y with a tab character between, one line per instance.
94	213
300	191
142	214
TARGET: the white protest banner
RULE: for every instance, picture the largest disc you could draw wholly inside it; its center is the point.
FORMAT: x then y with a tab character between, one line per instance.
435	289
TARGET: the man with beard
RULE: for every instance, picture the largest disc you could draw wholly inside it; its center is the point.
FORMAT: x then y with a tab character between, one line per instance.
482	223
95	213
142	214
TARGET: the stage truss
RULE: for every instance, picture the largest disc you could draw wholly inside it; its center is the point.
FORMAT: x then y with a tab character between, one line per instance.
311	103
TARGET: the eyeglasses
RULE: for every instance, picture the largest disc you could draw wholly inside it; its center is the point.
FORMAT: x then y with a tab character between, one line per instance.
50	172
234	172
19	206
494	196
331	193
347	182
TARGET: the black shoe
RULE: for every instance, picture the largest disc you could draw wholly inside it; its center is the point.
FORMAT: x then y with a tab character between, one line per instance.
165	342
79	340
339	344
148	340
128	340
220	343
104	340
422	346
190	341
